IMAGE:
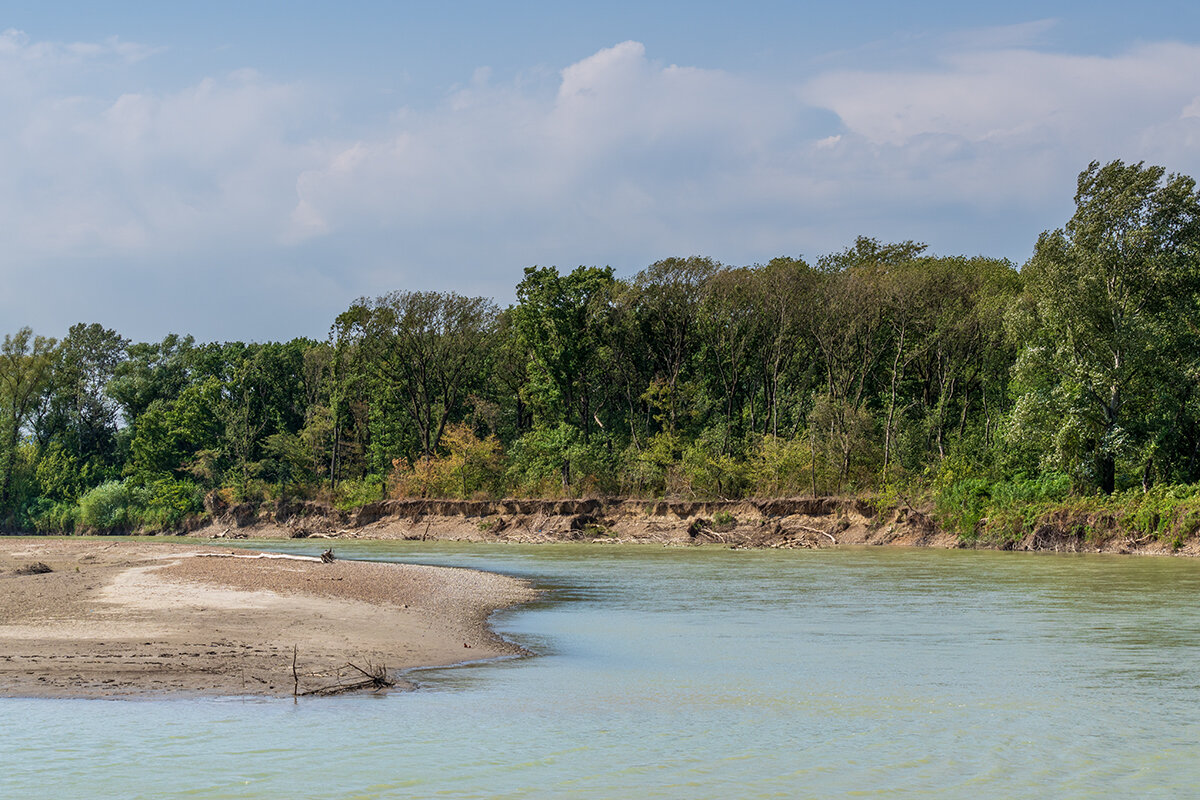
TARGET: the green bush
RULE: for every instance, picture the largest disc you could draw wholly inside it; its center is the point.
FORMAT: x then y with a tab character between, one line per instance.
780	467
165	503
351	494
552	462
105	508
47	516
708	472
962	505
646	470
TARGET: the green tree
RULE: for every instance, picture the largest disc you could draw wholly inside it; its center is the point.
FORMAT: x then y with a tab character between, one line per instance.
149	372
562	324
668	297
428	351
26	364
79	413
1115	292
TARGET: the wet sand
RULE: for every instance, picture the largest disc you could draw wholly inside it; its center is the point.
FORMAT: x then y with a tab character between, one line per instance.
119	618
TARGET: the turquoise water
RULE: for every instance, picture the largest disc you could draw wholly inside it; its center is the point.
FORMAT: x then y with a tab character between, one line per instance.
696	673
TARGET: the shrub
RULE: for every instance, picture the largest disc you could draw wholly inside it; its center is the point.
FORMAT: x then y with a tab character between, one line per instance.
780	467
165	503
47	516
352	494
708	472
105	508
473	467
647	471
552	462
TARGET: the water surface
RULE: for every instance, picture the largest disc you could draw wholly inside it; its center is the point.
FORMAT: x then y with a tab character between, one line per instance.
689	673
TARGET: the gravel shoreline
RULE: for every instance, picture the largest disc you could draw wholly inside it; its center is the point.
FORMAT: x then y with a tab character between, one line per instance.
117	618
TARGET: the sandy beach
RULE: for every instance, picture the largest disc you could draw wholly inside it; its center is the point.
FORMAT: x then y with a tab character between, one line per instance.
117	618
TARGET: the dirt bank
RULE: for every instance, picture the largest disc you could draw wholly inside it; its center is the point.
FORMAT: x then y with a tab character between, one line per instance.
775	523
96	618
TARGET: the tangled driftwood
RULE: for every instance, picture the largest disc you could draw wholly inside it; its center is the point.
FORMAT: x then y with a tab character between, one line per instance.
374	678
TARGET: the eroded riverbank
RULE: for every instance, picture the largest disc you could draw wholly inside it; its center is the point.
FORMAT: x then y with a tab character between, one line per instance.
809	523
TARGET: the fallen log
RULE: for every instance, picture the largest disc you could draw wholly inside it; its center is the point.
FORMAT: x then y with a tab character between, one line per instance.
254	555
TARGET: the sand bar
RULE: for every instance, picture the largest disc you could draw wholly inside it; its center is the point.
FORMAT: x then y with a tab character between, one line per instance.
126	618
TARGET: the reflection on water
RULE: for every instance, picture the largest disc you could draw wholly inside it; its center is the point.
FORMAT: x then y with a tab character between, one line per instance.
708	673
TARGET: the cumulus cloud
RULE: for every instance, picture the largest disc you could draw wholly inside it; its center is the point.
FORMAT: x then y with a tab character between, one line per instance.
1016	95
145	172
242	186
632	156
626	148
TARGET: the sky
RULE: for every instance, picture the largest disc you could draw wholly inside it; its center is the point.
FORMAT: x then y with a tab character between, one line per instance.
247	170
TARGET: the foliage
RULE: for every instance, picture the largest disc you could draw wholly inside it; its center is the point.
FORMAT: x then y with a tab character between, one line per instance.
557	462
105	508
1115	290
780	467
165	503
1063	395
472	466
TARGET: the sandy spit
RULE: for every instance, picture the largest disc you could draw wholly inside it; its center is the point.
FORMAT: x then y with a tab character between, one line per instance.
115	618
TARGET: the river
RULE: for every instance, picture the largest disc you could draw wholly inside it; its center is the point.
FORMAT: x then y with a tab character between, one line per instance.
707	673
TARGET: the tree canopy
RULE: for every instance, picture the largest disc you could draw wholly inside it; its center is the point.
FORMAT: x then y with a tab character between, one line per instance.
875	367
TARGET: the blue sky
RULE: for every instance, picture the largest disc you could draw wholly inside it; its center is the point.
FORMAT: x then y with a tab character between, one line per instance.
247	172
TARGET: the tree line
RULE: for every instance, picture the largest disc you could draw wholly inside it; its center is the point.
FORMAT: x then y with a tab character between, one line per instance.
881	368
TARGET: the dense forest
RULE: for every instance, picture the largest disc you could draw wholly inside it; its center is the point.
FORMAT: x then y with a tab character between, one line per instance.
881	370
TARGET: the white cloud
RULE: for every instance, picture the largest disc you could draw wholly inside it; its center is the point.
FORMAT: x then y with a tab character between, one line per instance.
16	46
244	181
622	138
1016	94
149	172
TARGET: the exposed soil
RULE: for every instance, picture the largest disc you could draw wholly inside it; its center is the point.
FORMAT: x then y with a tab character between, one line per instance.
96	618
776	523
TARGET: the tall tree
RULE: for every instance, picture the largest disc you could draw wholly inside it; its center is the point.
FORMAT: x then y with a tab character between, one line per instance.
668	304
80	414
731	329
152	371
26	363
430	350
562	323
784	295
1116	291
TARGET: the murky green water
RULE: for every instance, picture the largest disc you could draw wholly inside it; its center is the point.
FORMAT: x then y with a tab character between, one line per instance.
709	673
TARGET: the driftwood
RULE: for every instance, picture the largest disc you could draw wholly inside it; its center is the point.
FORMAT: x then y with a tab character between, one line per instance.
327	556
818	530
255	555
374	678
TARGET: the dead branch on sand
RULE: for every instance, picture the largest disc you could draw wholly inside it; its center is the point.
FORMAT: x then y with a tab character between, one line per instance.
374	678
255	555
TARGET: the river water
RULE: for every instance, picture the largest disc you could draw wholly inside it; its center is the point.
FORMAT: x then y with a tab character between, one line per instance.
707	673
